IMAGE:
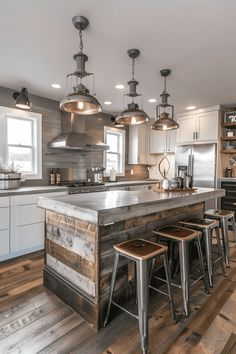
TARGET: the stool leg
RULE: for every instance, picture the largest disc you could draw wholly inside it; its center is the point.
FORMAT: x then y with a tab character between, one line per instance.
220	249
113	279
233	227
207	241
184	273
224	229
143	300
199	249
165	260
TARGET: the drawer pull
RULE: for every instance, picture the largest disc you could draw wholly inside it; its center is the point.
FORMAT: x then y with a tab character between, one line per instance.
234	204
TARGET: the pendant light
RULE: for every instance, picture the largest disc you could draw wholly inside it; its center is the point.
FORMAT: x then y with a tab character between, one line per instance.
133	115
22	99
165	120
78	100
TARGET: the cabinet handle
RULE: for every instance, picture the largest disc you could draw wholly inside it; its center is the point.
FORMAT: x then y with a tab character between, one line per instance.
234	204
196	135
193	135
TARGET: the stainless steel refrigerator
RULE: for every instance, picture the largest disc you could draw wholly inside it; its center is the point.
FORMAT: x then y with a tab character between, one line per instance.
200	162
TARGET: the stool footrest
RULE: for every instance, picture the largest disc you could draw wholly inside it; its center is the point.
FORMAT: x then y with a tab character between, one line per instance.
124	309
165	281
158	290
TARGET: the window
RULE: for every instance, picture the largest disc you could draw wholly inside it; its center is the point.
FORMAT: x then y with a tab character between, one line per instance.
21	141
115	156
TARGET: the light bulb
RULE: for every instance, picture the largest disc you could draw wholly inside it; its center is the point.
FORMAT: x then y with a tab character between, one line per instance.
81	105
133	120
164	127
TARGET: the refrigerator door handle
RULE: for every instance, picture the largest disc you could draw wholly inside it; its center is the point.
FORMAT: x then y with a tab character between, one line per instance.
190	164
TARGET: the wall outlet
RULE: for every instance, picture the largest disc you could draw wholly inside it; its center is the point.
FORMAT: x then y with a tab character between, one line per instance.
131	172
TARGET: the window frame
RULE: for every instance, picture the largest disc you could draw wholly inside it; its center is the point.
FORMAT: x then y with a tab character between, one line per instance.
121	148
36	119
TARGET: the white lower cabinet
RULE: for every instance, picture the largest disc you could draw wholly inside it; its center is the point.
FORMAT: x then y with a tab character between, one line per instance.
22	224
4	227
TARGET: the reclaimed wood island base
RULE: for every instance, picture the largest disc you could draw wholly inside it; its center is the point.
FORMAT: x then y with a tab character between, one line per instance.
82	229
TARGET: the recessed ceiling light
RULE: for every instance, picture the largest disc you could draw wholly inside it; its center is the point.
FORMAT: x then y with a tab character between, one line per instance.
191	107
107	102
56	86
152	100
120	86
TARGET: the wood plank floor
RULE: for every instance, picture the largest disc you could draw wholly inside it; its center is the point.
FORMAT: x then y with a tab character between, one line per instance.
33	320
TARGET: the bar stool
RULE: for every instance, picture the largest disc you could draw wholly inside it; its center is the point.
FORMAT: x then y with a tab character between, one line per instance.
207	226
142	252
224	216
183	236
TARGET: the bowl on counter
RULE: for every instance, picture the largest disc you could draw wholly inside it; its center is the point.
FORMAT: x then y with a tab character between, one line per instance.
10	180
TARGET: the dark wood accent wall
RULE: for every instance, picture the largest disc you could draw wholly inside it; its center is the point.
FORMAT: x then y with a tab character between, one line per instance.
52	124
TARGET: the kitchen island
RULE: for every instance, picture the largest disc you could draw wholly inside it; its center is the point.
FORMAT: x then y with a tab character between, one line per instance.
82	229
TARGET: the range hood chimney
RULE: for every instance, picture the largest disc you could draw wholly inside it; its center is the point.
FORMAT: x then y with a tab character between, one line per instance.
75	137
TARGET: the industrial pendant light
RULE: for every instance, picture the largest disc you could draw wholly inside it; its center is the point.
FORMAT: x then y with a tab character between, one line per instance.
22	99
78	100
133	115
165	120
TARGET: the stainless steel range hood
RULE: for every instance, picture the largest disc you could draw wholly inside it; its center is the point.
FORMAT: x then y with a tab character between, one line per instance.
75	137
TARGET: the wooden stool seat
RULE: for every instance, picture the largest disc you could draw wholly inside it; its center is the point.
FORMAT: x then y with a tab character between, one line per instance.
201	223
140	249
219	212
177	233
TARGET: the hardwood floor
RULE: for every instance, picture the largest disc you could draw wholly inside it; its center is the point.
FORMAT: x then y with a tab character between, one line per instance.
33	320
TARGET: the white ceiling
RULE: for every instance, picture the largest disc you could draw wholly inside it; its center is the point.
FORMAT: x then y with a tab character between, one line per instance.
194	38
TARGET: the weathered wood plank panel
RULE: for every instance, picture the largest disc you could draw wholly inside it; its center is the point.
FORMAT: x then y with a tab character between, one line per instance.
77	227
72	276
75	244
71	259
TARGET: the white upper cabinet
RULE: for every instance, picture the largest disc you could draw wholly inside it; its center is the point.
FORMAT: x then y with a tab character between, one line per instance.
198	127
162	141
139	136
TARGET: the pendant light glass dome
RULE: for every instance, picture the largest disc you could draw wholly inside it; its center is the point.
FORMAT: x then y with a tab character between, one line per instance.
165	120
78	99
132	115
22	99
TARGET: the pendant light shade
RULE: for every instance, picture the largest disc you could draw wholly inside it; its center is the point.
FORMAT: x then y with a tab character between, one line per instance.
78	99
132	115
80	103
165	120
22	99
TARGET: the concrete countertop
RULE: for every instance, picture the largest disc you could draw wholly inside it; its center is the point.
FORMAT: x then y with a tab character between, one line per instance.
32	190
112	206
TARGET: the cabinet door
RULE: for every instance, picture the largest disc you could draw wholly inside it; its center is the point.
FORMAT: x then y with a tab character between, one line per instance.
208	126
143	149
186	130
28	237
4	242
171	135
158	141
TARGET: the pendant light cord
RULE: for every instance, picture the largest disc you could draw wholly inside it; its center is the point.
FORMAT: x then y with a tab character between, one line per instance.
133	67
164	85
81	44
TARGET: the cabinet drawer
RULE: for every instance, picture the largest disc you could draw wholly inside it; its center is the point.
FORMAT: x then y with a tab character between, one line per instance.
26	237
27	214
228	203
4	218
4	242
33	198
4	201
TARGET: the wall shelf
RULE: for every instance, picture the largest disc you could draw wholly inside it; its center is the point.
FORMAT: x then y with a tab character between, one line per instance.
230	151
230	125
228	138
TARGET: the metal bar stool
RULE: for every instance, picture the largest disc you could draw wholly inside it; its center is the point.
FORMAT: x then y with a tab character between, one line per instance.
142	252
207	226
224	216
183	236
